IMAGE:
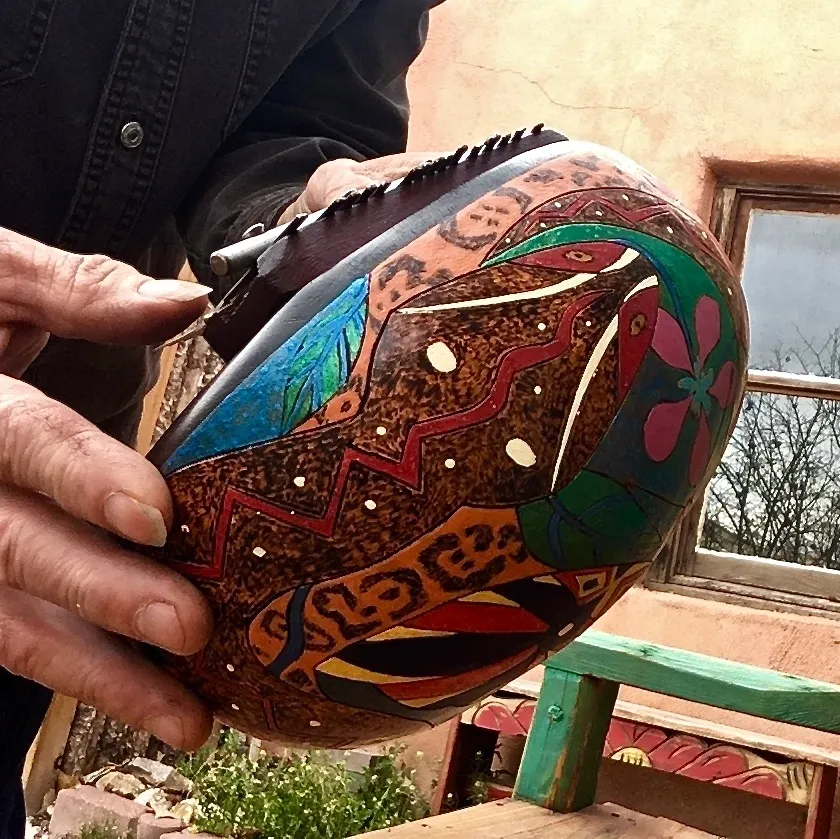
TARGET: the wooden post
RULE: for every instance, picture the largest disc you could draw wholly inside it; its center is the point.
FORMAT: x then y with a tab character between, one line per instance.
821	805
563	752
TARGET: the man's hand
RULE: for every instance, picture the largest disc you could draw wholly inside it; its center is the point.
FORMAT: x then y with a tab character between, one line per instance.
66	589
335	178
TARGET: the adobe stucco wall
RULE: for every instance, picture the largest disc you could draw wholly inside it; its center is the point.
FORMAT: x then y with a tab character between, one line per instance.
671	83
690	91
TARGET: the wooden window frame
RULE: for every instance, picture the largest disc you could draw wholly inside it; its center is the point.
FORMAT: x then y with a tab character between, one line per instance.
684	567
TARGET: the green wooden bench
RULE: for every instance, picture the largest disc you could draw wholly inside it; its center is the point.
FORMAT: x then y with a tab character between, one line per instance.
555	789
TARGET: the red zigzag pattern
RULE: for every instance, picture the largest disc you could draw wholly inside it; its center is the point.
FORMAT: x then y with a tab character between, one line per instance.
406	470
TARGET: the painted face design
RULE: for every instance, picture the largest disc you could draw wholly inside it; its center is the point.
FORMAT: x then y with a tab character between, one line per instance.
462	461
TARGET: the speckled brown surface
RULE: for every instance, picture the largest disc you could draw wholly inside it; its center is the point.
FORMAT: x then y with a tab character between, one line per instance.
399	496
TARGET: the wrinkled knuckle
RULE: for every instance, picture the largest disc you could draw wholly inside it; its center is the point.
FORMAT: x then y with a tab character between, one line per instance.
93	686
17	428
95	269
75	279
60	269
78	591
37	432
19	651
11	572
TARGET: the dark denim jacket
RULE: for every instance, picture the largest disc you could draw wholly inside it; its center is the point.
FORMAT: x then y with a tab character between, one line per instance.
125	123
129	127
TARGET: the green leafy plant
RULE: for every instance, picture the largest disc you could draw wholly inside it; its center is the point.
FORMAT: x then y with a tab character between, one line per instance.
99	831
298	797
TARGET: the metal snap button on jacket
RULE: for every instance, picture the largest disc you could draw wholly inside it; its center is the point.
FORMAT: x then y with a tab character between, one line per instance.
132	135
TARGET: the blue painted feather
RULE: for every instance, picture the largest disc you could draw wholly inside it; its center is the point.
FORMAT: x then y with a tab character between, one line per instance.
295	381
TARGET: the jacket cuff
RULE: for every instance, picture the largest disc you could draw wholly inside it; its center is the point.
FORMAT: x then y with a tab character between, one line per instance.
265	210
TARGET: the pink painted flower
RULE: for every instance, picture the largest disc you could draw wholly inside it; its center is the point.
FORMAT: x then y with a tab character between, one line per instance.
665	422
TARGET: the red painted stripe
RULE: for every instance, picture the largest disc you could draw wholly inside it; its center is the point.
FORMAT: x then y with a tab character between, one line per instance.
449	685
478	617
632	349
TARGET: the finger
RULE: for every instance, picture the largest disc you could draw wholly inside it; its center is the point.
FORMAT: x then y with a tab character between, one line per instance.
54	557
43	643
20	345
90	297
335	178
338	183
48	448
394	166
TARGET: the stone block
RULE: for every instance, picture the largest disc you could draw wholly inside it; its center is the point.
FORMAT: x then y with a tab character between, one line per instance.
152	827
75	808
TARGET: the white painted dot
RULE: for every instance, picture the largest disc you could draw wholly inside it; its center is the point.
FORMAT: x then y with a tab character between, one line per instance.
260	552
441	357
704	234
589	323
542	327
538	390
291	512
598	213
234	706
371	505
314	723
230	668
543	225
449	464
670	229
508	240
381	431
626	197
300	481
520	452
558	204
185	528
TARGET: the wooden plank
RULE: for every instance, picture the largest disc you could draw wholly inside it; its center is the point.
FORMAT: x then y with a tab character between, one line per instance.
770	574
513	819
154	399
496	820
153	402
39	771
805	385
725	734
700	678
528	684
559	769
821	805
447	773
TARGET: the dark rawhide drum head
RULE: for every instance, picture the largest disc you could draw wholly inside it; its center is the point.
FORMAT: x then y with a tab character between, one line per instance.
455	447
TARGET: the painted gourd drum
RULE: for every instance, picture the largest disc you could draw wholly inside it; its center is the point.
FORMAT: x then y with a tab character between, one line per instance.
457	445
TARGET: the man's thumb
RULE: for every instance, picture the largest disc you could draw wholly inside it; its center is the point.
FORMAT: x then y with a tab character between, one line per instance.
90	297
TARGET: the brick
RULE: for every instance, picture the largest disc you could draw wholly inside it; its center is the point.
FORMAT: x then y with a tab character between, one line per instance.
151	827
80	806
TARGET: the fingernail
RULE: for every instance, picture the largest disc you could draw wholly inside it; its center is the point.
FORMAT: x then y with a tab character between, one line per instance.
159	624
167	728
177	291
135	520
